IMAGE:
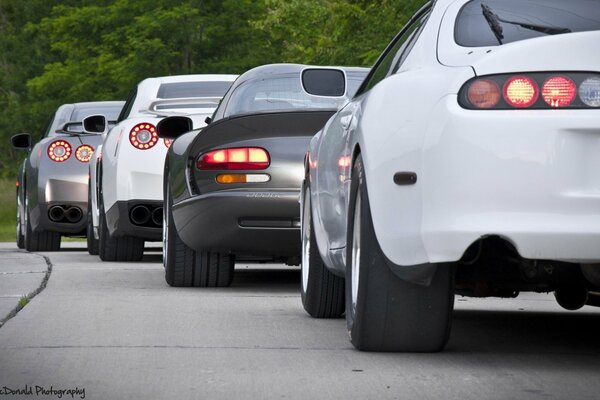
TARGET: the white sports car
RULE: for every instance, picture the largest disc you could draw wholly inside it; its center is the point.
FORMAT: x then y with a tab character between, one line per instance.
126	174
466	161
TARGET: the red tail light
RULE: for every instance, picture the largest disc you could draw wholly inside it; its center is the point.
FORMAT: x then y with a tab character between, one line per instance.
536	90
143	136
84	153
559	91
59	150
168	142
235	159
484	93
521	91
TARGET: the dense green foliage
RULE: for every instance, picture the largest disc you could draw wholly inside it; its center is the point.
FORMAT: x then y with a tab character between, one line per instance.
60	51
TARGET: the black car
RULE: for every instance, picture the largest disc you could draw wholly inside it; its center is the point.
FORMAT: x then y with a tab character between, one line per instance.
232	189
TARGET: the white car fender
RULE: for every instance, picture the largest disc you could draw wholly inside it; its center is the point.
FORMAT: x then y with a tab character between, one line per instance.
397	117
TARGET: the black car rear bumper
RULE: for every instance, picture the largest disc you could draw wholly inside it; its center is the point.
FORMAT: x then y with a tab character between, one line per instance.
255	223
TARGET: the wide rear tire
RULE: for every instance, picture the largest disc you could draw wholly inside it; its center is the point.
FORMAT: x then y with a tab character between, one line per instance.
125	248
185	267
93	244
20	236
40	240
322	292
384	312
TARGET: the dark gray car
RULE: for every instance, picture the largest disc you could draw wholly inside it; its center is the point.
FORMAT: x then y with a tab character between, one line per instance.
232	189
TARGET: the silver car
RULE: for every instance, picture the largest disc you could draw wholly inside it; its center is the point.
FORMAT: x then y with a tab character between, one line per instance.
52	184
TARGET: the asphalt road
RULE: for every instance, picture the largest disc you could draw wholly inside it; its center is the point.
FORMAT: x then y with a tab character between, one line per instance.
119	332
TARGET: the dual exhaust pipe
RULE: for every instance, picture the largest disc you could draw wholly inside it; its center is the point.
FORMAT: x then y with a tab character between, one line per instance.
146	216
70	214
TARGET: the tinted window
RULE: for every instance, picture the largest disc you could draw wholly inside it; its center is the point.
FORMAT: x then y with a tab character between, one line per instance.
181	90
523	19
128	104
275	93
395	54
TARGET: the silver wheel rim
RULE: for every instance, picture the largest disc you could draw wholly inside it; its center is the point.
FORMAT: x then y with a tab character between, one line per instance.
356	244
165	236
18	218
305	265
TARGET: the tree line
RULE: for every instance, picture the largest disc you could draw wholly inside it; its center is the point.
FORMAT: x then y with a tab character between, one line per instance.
61	51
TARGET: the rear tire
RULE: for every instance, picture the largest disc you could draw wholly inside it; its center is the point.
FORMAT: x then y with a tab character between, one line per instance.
322	292
185	267
20	235
126	248
384	312
41	240
92	243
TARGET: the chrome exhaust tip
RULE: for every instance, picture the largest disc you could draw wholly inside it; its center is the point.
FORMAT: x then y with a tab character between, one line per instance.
56	213
157	216
73	214
139	215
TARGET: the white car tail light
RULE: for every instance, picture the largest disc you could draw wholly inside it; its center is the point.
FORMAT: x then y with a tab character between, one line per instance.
535	90
143	136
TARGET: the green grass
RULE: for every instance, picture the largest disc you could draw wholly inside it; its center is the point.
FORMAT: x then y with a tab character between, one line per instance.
8	210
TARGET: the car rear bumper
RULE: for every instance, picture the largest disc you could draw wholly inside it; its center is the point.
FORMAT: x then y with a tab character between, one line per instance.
120	224
40	219
257	223
530	177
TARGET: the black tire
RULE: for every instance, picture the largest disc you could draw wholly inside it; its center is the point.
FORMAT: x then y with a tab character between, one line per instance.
41	240
387	313
185	267
125	248
93	244
321	291
20	236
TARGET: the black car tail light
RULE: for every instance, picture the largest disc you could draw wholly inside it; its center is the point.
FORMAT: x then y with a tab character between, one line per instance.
239	158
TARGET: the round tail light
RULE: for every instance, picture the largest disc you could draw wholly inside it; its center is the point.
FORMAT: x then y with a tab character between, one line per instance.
143	136
59	150
168	142
589	92
483	93
84	153
521	91
559	91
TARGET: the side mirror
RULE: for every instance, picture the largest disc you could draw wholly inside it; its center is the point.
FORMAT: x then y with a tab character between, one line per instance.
327	82
207	120
173	127
95	124
21	141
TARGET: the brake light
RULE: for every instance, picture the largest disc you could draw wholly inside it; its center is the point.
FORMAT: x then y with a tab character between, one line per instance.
59	150
559	91
235	159
536	90
143	136
484	93
84	153
167	142
521	91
